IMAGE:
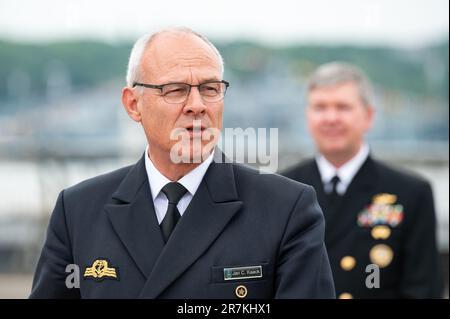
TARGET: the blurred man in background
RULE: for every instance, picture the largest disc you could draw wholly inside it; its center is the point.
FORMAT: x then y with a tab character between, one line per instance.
380	221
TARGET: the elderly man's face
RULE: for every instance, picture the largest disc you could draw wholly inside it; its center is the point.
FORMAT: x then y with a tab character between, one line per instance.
338	119
178	58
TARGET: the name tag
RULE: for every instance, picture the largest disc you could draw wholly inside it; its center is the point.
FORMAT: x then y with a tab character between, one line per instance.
242	273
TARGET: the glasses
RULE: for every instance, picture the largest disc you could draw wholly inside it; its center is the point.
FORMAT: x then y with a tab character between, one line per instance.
211	91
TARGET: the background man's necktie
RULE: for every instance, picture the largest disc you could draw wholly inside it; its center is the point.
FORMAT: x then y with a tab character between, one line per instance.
174	191
333	198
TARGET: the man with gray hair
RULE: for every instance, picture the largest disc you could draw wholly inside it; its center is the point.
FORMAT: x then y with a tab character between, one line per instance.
380	221
182	222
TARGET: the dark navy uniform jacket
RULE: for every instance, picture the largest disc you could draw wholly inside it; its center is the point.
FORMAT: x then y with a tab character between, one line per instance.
398	232
237	218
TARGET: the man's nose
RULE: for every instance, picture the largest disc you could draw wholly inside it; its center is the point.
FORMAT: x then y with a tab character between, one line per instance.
331	115
194	103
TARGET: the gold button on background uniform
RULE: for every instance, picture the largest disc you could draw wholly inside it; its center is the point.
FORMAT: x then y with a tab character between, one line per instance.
345	295
348	263
381	255
241	291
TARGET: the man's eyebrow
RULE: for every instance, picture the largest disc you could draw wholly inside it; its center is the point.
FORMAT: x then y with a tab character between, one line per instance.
210	79
213	79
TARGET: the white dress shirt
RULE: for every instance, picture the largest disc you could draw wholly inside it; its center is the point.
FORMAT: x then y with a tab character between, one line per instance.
345	173
191	181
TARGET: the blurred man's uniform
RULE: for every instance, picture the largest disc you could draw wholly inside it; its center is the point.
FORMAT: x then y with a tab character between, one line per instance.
385	217
374	214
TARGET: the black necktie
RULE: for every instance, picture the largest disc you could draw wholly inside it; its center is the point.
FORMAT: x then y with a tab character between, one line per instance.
174	191
333	197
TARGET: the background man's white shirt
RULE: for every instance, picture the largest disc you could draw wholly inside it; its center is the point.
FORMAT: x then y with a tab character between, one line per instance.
345	173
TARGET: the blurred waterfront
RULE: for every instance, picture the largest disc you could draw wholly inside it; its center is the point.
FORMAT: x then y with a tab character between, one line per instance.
61	121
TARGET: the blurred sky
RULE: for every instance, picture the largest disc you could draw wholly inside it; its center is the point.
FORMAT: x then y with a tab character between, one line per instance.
404	23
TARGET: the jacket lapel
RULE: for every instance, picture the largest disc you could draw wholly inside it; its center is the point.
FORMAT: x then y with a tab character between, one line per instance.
212	207
133	218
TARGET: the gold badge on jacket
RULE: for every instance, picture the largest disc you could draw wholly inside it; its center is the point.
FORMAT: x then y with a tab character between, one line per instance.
381	255
381	232
100	270
382	211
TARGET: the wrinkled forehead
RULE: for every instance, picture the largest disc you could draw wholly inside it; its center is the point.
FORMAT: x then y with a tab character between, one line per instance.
178	52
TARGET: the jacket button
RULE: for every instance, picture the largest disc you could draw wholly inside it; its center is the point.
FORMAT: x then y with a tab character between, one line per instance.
348	263
345	295
241	291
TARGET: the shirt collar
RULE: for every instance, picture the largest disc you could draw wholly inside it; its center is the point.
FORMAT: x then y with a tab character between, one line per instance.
347	171
191	181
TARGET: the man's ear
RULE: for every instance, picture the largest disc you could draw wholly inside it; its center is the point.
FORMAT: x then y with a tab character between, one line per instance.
130	103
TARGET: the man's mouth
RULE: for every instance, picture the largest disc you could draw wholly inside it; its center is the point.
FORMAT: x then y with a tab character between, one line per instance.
332	132
192	128
195	131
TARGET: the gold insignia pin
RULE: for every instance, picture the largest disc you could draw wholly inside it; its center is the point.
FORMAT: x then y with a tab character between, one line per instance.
384	199
345	295
381	232
348	263
241	291
100	270
381	255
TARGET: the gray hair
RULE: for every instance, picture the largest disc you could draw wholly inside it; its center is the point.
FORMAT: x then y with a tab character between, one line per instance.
335	73
139	47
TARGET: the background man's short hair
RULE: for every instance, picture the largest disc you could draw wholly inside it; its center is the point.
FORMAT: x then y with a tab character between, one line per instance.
336	73
133	71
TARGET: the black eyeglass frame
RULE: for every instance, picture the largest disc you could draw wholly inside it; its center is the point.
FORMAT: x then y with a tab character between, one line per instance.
161	86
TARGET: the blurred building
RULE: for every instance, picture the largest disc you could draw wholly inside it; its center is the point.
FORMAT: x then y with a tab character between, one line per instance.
55	132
